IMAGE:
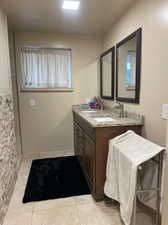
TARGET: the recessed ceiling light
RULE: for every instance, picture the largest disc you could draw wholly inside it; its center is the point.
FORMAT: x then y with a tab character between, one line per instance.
71	5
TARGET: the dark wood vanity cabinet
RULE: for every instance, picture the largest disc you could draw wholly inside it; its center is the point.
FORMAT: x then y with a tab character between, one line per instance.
84	150
91	148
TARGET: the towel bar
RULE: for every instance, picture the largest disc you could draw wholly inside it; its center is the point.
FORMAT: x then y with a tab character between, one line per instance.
157	189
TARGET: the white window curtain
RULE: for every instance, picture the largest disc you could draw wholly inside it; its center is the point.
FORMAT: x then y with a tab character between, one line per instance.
45	68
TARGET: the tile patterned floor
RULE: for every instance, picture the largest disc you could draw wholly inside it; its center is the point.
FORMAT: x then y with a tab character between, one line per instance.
79	210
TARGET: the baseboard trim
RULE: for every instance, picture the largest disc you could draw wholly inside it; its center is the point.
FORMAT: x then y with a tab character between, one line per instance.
51	154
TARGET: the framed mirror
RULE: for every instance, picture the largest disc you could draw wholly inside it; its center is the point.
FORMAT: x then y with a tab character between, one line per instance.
107	70
128	68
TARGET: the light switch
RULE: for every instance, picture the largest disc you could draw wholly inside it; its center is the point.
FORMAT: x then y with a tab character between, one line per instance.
165	111
32	102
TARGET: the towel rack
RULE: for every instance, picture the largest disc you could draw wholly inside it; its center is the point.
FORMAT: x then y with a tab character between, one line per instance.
157	189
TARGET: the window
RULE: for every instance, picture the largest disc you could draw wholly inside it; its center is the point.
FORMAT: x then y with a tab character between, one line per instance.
130	70
45	68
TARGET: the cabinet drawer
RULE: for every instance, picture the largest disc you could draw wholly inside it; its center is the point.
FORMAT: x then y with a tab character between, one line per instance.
85	125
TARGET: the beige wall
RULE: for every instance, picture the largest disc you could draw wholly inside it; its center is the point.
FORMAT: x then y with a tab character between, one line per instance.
4	55
47	126
152	16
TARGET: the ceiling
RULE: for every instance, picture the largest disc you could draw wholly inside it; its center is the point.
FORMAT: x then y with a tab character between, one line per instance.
94	16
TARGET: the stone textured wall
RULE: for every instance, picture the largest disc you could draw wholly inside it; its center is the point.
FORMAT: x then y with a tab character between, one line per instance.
9	158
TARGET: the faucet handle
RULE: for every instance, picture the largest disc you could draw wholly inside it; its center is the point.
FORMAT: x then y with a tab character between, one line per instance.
119	104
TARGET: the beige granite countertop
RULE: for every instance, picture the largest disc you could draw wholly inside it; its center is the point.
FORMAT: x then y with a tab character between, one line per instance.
129	118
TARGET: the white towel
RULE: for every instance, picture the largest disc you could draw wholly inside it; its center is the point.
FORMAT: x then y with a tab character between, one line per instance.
126	153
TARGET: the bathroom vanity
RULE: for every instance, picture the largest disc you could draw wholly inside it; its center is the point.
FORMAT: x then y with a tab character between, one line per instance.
92	131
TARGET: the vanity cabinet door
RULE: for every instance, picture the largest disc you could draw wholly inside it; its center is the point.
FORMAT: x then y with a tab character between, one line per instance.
79	143
75	139
89	157
84	150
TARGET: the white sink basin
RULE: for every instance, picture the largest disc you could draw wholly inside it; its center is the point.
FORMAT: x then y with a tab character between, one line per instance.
88	111
104	119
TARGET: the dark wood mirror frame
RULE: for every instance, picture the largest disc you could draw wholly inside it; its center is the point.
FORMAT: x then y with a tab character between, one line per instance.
112	51
138	35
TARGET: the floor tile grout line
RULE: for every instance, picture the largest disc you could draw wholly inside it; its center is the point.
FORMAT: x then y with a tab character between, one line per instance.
33	207
32	213
77	210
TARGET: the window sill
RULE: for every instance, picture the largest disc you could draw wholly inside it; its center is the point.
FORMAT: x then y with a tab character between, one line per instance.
46	90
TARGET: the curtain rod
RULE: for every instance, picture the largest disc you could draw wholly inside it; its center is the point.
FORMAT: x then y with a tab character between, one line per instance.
40	47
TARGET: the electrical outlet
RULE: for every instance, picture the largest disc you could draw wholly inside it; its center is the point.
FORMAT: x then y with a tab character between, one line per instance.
165	111
32	102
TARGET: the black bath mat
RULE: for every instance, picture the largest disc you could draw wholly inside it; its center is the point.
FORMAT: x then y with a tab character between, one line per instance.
55	178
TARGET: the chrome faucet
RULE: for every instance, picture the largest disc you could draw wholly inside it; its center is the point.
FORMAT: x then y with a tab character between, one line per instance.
120	106
102	105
